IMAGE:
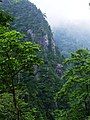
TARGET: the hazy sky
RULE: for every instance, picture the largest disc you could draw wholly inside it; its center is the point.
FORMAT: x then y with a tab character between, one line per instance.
59	11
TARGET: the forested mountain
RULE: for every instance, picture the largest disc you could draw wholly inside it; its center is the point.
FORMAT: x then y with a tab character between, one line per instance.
71	37
45	82
30	20
36	82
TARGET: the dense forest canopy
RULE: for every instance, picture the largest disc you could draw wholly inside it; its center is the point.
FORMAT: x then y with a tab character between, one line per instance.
36	81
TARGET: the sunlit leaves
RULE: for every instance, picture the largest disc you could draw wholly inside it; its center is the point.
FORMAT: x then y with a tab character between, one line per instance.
15	54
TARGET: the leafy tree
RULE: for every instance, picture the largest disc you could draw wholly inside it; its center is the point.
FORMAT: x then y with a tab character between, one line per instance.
42	87
16	57
77	87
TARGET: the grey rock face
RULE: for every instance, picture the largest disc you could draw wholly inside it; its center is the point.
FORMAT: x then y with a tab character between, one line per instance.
44	41
59	69
30	32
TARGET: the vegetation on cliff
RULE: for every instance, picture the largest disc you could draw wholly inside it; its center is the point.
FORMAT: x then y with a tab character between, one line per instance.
31	82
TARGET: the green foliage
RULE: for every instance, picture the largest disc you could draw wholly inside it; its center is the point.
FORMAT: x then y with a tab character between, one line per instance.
30	90
16	56
7	110
77	86
6	106
42	82
5	18
28	17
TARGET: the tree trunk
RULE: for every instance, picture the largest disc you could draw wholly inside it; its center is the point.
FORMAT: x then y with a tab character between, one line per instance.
14	101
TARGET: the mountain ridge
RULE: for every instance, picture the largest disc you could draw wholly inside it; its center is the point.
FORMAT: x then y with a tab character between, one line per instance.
71	37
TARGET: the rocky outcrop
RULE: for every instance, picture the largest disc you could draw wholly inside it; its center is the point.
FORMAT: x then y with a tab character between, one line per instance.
44	41
59	69
30	20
